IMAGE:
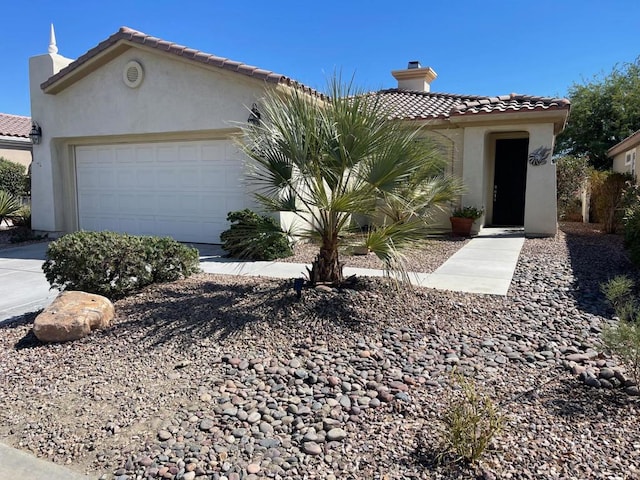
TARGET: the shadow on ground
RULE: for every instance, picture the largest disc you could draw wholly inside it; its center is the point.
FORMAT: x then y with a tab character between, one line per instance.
576	401
169	313
595	258
29	340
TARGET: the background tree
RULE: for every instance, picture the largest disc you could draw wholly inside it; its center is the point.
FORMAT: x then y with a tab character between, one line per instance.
12	177
604	111
325	159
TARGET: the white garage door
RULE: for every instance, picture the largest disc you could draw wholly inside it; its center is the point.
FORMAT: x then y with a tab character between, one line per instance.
178	189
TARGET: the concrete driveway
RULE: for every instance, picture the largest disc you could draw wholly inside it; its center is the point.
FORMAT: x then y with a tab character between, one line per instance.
23	288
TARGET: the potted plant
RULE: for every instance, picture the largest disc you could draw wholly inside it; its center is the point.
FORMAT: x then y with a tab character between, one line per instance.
462	220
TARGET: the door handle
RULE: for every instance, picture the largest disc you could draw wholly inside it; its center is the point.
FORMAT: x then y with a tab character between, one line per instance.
495	192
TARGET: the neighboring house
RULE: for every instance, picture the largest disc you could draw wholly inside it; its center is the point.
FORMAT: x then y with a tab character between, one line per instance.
15	144
624	155
137	137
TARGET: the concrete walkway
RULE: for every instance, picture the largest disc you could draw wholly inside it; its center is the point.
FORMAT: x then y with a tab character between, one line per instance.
16	464
484	265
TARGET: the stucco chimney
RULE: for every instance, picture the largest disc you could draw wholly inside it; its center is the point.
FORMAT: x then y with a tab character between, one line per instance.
415	78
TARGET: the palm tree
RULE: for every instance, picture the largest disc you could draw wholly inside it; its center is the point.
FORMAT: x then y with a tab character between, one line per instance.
327	158
9	206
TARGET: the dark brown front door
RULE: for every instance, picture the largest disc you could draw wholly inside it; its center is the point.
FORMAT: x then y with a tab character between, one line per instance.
510	181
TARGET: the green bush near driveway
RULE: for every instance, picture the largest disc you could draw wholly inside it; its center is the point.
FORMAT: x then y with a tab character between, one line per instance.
116	264
255	237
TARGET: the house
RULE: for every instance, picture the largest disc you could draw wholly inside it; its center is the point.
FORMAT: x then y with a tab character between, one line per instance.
137	137
15	144
624	155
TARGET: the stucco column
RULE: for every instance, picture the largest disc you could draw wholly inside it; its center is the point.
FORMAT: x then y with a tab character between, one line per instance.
473	166
540	213
44	215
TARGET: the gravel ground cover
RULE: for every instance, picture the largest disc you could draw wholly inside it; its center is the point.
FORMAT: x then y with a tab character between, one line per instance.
426	259
219	377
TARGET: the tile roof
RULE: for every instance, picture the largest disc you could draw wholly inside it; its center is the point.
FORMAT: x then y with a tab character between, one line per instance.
14	125
134	36
510	103
410	105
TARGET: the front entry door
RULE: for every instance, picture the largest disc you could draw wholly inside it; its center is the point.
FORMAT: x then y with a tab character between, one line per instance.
510	181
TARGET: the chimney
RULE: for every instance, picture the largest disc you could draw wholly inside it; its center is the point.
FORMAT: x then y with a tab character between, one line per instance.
415	78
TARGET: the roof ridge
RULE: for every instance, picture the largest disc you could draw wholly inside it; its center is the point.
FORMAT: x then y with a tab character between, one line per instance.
428	94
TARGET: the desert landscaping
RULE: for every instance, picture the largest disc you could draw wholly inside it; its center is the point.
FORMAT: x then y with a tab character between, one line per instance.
222	377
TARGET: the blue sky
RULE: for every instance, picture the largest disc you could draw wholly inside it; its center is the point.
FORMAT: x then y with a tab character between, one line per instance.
484	47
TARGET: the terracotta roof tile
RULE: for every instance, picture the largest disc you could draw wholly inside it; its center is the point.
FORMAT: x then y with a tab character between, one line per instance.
134	36
510	103
410	105
14	125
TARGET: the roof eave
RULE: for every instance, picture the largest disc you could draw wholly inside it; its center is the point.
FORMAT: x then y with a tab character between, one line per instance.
17	143
126	39
85	68
557	115
629	142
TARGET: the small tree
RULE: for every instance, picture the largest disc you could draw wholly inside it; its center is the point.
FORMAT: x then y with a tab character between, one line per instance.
572	174
607	190
325	159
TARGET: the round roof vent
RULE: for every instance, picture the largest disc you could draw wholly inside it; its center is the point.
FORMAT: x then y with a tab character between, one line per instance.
133	74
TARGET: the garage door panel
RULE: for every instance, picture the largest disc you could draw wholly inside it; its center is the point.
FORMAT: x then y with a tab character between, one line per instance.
141	154
189	153
179	189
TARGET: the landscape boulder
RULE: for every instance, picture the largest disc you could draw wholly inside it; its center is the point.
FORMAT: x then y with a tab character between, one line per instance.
73	315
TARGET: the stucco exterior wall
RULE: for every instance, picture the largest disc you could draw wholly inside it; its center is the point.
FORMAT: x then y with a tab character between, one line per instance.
23	157
451	141
176	100
619	162
540	216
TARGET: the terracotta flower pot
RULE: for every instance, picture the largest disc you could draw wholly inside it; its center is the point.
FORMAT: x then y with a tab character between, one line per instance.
461	227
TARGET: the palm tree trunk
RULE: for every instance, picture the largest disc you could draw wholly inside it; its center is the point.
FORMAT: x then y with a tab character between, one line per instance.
326	268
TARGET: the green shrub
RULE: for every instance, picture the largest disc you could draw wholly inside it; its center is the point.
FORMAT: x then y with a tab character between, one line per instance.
114	264
22	217
12	177
255	237
9	206
619	293
468	212
471	421
623	339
